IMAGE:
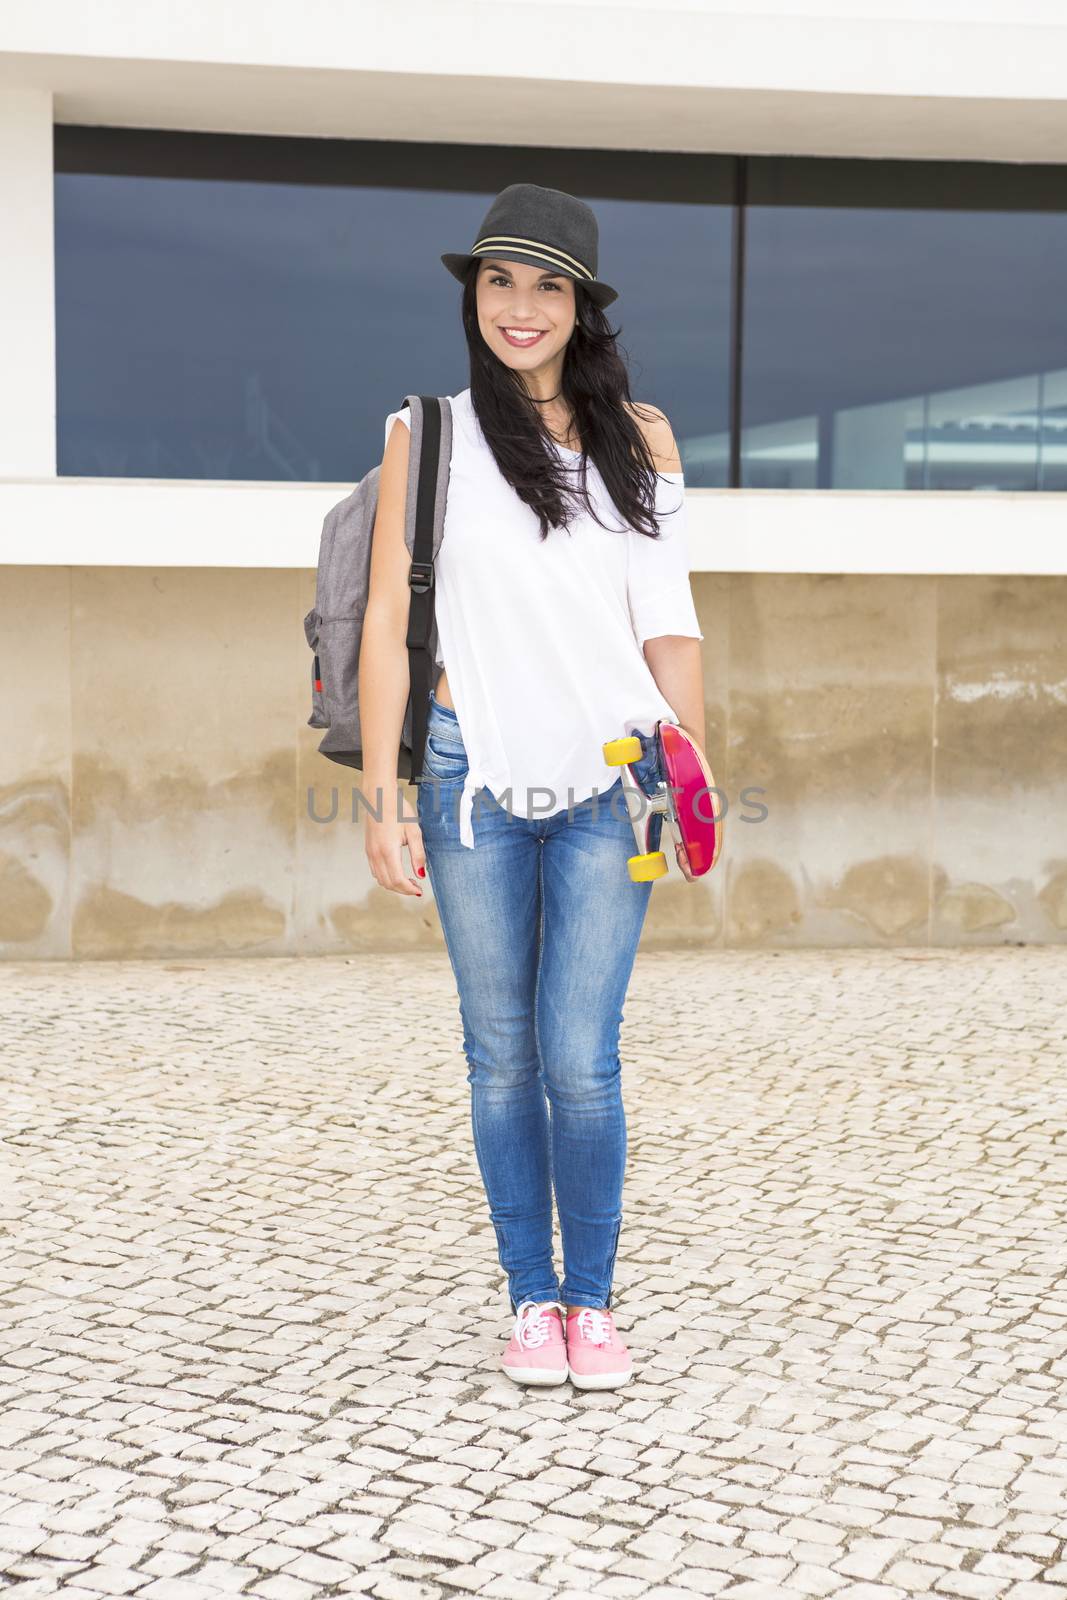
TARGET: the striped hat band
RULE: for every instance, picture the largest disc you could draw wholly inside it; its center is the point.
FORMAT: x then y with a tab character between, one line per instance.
533	247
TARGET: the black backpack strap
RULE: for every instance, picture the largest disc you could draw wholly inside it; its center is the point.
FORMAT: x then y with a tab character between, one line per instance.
421	582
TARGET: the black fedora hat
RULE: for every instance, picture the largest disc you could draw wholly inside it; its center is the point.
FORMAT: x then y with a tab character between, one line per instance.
544	228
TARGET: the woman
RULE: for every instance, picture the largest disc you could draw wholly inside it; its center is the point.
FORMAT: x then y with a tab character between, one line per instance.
563	621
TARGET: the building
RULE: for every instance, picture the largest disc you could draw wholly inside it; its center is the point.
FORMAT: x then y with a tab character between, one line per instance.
840	233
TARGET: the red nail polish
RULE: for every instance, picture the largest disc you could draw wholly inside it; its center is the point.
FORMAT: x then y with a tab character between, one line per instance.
422	872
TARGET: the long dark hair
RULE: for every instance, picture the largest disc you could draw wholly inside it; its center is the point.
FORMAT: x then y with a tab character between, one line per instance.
595	386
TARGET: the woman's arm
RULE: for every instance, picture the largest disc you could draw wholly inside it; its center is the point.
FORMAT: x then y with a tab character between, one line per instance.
677	666
384	677
674	659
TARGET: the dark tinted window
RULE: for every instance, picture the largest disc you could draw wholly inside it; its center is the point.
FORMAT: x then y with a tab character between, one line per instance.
236	307
904	325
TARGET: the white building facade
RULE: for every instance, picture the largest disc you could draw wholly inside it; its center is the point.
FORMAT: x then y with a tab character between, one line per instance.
840	233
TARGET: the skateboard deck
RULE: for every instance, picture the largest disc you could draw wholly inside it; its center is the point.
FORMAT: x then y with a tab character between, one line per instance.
680	800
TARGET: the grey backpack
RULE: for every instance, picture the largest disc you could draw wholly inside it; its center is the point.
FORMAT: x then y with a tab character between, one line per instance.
334	628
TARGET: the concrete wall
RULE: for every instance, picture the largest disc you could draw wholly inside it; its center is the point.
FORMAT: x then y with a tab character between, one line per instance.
909	732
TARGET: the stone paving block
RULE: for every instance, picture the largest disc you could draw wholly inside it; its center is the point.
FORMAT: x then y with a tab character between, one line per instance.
755	1589
973	1586
111	1580
177	1589
617	1588
166	1564
809	1580
283	1587
874	1591
20	1540
695	1580
391	1587
511	1588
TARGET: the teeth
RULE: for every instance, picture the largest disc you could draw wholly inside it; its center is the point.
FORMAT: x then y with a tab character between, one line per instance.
524	333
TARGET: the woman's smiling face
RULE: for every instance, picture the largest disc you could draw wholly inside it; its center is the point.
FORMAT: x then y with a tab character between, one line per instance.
526	314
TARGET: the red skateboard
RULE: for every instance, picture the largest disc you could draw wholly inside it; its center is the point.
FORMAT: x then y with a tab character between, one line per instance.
682	801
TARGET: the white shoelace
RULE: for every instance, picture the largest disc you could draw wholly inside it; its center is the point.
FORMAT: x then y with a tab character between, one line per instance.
531	1323
594	1325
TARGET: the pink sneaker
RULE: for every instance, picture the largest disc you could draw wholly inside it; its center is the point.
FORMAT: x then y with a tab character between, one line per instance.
537	1351
596	1356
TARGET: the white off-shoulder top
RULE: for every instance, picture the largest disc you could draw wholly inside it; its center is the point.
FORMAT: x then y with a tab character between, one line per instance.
542	639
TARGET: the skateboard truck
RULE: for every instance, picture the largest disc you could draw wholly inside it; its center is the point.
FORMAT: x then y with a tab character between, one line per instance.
683	797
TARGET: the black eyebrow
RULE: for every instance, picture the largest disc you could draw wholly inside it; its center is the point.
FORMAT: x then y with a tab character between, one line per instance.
502	266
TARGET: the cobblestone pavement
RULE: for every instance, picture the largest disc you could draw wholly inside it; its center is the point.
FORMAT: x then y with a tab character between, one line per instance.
251	1314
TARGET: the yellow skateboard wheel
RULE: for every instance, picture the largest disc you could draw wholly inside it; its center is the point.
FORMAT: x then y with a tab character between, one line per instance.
617	752
644	868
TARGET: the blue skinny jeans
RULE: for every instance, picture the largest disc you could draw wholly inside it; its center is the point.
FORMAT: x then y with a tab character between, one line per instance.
541	922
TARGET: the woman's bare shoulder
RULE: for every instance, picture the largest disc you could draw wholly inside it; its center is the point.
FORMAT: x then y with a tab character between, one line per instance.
658	436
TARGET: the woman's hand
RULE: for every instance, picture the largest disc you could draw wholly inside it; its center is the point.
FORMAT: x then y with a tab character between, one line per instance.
683	862
385	842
